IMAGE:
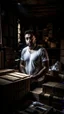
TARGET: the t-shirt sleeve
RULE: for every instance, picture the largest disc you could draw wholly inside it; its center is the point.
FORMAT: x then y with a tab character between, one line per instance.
22	55
44	55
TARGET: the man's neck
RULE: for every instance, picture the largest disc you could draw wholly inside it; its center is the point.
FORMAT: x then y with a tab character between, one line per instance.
32	48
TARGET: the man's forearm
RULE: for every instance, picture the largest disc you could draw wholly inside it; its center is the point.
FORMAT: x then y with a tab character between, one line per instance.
40	73
22	69
42	70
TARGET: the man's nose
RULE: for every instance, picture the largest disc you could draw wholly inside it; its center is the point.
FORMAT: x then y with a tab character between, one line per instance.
29	40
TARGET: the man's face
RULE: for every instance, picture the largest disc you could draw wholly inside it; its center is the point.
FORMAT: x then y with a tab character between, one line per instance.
30	40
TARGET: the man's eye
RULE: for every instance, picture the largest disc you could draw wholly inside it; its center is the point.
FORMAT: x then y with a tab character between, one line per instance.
27	38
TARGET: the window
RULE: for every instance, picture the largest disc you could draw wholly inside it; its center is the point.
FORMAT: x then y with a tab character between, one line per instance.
19	32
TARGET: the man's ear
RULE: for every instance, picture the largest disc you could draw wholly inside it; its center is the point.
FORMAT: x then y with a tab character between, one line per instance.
34	39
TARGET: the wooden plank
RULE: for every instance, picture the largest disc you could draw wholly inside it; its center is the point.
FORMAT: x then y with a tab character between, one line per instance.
8	77
19	75
3	71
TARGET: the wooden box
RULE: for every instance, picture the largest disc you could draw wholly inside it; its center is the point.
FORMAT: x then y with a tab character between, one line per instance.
45	98
59	90
13	88
49	87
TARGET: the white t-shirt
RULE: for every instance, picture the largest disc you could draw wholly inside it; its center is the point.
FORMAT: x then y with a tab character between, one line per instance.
34	60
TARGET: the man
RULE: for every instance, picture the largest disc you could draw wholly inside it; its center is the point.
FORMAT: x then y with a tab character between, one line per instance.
34	58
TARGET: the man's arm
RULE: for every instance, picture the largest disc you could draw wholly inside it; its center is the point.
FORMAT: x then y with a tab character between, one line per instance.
42	71
22	66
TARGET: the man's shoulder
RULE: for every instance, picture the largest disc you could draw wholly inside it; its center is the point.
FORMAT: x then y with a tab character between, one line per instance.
25	49
40	47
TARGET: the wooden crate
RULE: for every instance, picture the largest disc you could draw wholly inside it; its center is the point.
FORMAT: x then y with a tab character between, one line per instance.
13	88
59	90
53	88
45	98
36	93
49	87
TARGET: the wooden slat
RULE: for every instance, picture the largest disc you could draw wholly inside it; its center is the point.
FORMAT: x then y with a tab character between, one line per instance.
10	78
19	75
3	71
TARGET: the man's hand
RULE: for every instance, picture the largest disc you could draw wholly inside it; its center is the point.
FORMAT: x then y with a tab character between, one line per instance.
34	77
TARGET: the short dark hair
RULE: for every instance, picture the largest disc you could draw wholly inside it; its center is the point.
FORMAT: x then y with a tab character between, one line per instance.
29	32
